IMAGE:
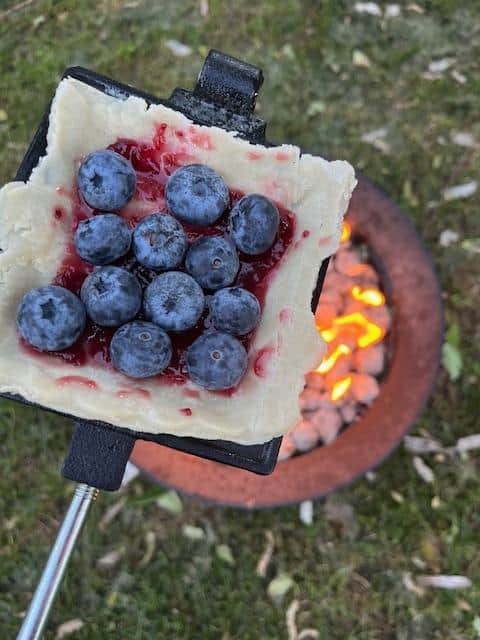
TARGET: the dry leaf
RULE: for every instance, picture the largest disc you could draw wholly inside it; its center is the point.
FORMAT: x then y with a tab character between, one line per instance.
423	470
468	443
110	559
306	512
224	553
377	139
342	514
204	8
150	542
413	6
279	587
170	502
463	139
290	616
111	513
193	533
410	585
444	582
414	444
393	10
68	627
460	191
397	497
360	59
178	48
371	8
266	556
308	634
439	66
448	237
3	115
458	77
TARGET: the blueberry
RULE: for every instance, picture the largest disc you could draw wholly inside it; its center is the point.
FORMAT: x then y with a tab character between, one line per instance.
51	318
140	349
213	262
106	180
196	194
254	224
159	242
174	301
102	239
216	361
234	310
112	296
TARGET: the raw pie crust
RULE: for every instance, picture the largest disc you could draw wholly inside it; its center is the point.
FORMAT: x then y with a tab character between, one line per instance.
33	246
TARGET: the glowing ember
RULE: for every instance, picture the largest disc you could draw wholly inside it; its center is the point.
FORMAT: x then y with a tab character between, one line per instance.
346	232
373	333
372	297
328	335
340	388
330	361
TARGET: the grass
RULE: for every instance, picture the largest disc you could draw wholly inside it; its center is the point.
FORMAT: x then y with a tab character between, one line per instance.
348	579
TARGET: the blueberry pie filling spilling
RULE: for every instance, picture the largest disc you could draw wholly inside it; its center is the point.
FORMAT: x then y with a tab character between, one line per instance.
157	274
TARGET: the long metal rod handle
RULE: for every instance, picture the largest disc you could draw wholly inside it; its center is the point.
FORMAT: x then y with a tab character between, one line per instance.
47	588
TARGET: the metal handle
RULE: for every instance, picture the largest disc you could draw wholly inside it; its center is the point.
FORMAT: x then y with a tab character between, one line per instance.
47	588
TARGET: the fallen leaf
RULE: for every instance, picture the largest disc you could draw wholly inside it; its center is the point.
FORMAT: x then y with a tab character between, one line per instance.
448	237
463	139
452	361
306	512
36	22
266	556
68	627
170	501
371	8
150	542
397	497
393	10
360	59
178	48
308	634
342	514
193	533
279	587
204	8
423	470
410	585
463	605
315	107
460	191
290	616
413	6
377	139
476	625
458	77
439	66
111	513
417	444
471	245
444	582
110	559
3	115
61	17
224	553
436	503
468	443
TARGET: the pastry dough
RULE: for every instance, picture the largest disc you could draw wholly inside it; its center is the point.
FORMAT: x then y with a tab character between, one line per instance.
286	343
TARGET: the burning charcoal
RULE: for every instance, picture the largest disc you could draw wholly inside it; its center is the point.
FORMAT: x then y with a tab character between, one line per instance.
379	315
287	448
312	399
314	380
366	275
324	314
304	435
349	411
337	283
364	388
370	360
348	262
342	367
326	423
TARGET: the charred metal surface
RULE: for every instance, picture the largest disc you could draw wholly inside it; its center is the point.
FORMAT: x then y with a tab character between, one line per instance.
414	295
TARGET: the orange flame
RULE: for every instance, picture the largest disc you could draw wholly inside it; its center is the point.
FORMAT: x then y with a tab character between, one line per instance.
346	232
329	362
340	388
371	297
328	335
373	333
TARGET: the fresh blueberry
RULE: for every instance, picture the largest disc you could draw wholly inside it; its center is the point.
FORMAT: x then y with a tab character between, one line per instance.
112	296
213	262
106	180
254	224
216	361
234	310
51	318
159	242
102	239
174	301
196	194
140	349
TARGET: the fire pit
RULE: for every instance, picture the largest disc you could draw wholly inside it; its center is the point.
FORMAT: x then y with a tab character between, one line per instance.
413	318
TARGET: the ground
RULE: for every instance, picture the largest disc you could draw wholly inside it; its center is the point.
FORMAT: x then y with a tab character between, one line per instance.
332	75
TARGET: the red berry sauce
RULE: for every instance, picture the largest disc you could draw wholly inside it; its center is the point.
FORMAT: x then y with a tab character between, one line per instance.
154	162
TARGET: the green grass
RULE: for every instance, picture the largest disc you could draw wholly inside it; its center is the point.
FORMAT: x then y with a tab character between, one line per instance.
349	582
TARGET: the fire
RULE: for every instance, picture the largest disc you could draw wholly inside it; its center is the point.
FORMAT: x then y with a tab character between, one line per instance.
371	297
372	334
346	232
340	388
329	362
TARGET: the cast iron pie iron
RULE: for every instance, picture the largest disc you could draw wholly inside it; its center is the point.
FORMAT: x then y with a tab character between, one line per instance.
224	96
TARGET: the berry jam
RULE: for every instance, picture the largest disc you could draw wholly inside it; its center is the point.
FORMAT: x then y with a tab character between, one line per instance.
153	163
